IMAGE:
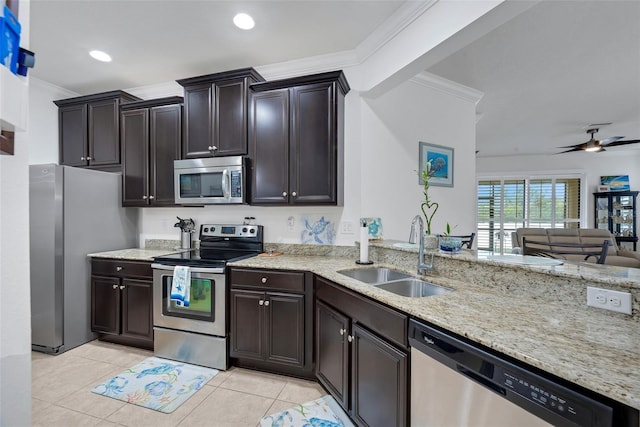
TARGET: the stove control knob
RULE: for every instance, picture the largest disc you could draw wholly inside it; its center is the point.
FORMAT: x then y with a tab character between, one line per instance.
252	231
206	229
213	229
244	229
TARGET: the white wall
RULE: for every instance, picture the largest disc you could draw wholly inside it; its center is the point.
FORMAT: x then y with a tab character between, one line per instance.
616	161
393	125
15	320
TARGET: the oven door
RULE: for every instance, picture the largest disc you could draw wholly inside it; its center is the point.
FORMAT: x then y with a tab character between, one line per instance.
206	311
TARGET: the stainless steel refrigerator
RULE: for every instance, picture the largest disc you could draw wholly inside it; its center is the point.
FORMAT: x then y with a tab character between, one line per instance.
73	212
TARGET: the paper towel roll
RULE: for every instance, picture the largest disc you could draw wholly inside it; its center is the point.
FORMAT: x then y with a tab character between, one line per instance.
364	244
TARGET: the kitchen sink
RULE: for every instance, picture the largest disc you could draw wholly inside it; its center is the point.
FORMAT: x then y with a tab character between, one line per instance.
413	288
375	275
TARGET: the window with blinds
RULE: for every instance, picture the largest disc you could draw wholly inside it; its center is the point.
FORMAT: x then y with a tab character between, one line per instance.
505	204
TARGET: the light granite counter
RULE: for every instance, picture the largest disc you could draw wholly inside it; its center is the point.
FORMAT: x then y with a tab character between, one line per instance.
536	314
134	254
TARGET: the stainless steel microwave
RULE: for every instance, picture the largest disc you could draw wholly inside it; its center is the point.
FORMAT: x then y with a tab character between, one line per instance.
211	180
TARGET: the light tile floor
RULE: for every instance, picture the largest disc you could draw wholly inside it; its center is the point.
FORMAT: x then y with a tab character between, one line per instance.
61	392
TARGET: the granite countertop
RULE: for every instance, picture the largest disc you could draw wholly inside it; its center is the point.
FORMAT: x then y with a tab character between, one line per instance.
586	346
135	254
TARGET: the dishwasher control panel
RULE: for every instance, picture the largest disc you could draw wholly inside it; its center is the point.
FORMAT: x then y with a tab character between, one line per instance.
544	395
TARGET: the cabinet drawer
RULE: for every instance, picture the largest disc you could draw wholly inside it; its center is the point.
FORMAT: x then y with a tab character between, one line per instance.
120	268
268	279
383	320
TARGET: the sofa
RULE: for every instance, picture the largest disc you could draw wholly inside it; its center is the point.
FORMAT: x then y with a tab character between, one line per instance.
615	256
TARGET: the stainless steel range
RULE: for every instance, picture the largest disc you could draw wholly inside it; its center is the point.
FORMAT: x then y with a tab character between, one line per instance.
199	333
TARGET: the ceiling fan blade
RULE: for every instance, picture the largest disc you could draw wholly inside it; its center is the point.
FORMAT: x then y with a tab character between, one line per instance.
610	139
569	151
629	141
580	146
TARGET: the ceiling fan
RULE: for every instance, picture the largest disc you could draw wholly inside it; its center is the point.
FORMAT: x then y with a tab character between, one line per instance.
595	145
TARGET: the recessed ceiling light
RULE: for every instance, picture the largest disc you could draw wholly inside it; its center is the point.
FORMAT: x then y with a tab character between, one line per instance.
100	56
243	21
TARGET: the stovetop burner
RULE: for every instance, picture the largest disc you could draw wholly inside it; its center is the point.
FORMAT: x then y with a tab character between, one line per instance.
200	258
219	244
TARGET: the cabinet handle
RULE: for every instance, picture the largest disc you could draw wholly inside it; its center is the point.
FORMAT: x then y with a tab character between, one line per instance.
261	302
284	194
114	286
342	331
89	158
118	268
266	303
350	338
212	148
152	197
263	280
82	158
144	197
122	287
294	194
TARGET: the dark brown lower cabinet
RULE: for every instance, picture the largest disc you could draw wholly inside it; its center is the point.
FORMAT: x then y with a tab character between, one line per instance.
121	307
270	325
365	371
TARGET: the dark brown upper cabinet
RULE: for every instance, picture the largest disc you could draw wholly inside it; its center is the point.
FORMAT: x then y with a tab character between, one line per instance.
89	130
151	134
296	140
215	113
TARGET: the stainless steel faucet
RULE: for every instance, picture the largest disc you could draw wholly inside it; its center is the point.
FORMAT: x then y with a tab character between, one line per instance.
423	267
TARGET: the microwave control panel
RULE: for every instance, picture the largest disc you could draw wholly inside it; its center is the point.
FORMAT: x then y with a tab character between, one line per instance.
236	183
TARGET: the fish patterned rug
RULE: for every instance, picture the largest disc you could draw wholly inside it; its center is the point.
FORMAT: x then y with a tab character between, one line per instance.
322	412
159	384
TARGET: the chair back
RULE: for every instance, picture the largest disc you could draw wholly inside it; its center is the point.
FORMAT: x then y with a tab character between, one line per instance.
467	240
561	249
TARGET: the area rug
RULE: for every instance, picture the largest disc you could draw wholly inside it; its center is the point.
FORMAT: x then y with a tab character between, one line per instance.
159	384
324	412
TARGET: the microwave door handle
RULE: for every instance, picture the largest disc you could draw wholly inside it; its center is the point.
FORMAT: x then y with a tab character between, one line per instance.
226	184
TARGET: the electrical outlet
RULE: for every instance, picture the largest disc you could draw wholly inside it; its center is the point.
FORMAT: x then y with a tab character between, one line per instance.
609	300
346	227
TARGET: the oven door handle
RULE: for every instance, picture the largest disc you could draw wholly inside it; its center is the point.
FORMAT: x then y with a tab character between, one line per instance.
157	266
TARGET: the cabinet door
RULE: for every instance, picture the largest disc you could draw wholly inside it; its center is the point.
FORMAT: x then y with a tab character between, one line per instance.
135	167
73	135
313	161
165	145
104	133
105	305
137	309
198	121
285	328
332	352
230	118
379	381
269	142
247	325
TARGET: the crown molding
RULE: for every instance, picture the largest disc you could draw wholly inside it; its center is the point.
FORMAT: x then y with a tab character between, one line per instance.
34	81
310	65
391	27
447	86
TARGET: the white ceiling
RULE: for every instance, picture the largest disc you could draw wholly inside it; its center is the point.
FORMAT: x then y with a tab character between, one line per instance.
550	72
546	74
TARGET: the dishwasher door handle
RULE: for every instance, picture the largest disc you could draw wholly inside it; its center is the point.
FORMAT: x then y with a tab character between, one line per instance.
482	380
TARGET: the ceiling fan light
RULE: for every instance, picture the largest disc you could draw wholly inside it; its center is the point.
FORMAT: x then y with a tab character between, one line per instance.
593	149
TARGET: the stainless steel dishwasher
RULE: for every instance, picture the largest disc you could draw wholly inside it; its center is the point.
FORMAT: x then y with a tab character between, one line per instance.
456	383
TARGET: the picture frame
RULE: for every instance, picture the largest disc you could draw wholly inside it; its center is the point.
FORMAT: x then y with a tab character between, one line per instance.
441	158
616	182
